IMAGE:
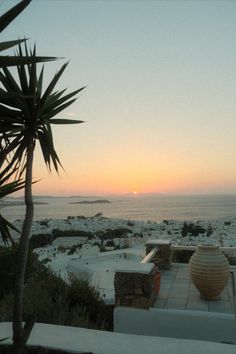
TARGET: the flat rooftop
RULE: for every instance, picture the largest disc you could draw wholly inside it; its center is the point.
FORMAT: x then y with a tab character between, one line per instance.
178	292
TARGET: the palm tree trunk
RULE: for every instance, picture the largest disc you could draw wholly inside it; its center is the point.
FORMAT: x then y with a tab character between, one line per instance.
21	333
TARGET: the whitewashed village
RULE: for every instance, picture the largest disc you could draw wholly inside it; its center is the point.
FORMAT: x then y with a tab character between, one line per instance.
68	244
97	248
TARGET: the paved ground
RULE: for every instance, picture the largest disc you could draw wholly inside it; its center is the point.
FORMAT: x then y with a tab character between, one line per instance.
178	292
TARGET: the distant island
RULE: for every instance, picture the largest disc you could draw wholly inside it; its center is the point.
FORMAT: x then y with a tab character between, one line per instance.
98	201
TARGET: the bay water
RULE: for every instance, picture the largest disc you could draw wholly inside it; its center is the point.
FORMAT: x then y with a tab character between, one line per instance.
133	207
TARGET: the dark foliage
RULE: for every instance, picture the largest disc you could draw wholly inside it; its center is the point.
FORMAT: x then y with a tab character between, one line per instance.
130	223
40	240
71	233
228	223
209	230
43	222
110	243
73	249
8	264
192	229
109	234
49	297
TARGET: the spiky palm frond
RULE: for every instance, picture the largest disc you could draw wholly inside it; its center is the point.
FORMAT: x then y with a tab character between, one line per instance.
5	20
10	44
11	14
28	112
6	61
7	188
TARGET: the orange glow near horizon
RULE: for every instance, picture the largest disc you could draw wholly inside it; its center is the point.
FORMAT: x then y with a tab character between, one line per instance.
134	180
117	173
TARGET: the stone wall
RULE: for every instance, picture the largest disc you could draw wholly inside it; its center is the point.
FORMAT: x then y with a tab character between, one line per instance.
135	289
163	256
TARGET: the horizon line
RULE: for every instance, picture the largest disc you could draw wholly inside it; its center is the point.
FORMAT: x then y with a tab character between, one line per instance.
135	195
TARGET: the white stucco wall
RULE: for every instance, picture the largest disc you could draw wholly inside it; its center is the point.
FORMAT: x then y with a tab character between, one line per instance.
79	340
216	327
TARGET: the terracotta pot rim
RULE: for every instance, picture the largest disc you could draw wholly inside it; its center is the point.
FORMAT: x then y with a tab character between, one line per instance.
209	246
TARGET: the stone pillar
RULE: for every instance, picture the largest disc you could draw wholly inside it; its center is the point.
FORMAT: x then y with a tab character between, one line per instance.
162	258
135	285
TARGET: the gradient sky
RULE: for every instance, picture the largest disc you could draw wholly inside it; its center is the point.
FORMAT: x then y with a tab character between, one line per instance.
159	106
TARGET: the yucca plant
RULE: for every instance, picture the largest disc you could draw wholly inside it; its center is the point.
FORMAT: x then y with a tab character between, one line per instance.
7	188
5	20
5	61
10	15
29	113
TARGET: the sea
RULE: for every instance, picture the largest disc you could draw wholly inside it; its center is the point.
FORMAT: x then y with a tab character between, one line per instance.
132	207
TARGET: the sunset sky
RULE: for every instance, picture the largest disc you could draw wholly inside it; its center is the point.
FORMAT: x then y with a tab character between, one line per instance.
159	106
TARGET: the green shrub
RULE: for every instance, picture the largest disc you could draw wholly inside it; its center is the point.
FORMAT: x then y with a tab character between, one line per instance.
130	223
109	234
79	292
61	249
99	315
51	300
192	229
46	300
73	249
8	261
110	243
44	222
40	240
70	233
209	230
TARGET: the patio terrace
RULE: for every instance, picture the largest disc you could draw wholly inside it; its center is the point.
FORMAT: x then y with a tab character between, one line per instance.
178	292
